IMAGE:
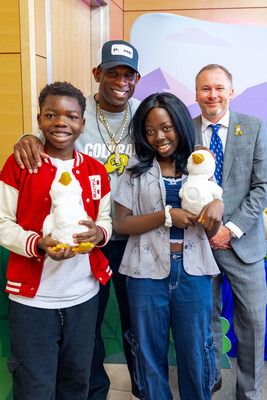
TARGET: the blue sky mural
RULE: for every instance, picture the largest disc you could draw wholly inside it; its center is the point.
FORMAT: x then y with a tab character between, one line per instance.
174	48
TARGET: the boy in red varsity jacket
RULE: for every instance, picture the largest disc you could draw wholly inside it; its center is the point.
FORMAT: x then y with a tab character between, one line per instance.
53	294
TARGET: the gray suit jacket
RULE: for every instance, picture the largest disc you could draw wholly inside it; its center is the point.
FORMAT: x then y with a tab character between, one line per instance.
244	182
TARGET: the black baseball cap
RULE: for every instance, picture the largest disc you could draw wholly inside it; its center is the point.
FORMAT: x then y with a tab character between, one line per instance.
118	52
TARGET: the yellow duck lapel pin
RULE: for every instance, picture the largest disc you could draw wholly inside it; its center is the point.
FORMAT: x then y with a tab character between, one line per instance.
238	130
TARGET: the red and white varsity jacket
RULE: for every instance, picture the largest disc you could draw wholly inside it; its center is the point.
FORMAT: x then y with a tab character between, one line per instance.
24	204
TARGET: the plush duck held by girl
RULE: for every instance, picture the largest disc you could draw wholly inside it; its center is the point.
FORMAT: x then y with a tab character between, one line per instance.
199	189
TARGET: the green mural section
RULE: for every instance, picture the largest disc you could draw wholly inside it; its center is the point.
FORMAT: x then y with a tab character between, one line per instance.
5	381
111	331
226	344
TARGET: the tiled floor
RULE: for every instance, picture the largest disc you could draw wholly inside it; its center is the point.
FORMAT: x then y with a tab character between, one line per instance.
120	383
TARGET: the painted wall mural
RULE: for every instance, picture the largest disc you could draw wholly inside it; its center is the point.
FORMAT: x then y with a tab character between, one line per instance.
174	48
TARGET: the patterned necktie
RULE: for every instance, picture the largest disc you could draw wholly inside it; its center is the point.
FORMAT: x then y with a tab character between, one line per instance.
217	148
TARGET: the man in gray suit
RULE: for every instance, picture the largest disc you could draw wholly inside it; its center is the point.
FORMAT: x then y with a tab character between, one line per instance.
239	246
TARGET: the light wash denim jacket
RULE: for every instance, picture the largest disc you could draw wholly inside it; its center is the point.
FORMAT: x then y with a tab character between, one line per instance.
147	255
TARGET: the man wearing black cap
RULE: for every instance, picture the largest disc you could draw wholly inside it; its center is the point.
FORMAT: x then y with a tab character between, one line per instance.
105	138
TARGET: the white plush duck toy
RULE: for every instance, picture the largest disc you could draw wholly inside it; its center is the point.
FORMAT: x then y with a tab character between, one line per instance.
62	223
198	190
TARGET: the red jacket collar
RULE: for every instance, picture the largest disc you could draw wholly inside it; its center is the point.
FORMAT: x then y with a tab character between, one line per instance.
78	158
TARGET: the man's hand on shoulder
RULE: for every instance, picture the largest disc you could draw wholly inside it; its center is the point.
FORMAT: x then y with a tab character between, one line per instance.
28	153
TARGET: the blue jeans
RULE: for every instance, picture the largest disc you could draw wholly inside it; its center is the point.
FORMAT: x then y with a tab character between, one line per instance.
184	303
51	351
99	380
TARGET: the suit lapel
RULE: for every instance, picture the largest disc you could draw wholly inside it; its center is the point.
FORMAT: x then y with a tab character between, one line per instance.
229	151
198	130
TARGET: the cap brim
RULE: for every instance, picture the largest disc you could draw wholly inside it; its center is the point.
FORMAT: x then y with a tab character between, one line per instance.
116	63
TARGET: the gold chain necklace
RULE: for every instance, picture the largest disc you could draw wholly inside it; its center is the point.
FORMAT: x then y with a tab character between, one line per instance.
114	148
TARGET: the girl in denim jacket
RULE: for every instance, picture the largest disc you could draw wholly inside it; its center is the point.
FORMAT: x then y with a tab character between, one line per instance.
168	259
